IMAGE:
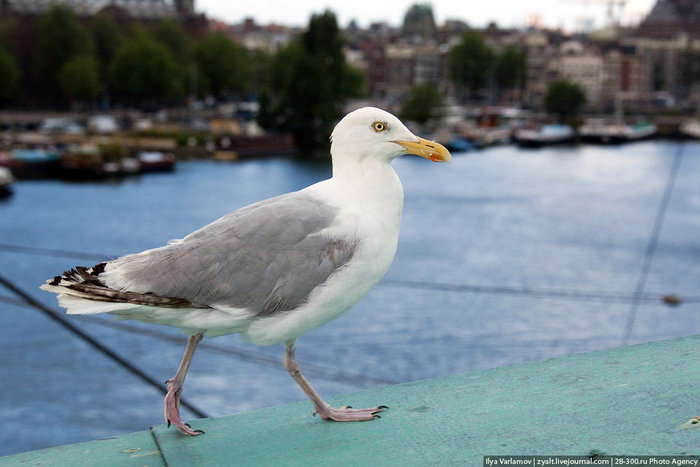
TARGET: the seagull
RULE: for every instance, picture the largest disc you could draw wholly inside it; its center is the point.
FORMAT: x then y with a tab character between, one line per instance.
274	269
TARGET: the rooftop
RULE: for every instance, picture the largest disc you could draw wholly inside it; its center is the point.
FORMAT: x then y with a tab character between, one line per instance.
136	8
634	400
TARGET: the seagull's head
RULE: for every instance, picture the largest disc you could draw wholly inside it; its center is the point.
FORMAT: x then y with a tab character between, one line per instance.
374	133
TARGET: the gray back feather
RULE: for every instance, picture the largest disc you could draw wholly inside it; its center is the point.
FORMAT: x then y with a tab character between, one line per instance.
266	257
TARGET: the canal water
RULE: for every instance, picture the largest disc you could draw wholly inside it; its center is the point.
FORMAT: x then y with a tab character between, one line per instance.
505	256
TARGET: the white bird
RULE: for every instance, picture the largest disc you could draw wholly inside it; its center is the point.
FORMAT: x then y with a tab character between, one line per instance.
272	270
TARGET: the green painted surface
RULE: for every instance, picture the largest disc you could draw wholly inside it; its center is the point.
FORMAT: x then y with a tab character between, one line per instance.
131	450
630	400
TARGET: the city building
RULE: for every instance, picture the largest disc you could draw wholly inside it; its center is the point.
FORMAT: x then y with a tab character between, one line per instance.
670	18
625	80
586	70
141	9
419	24
644	68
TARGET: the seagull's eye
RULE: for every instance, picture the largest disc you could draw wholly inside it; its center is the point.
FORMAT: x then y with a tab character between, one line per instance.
379	126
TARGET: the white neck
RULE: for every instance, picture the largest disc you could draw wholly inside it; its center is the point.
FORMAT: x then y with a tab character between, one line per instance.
371	182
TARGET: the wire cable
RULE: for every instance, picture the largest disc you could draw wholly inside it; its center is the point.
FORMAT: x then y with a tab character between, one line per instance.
576	295
109	353
651	246
31	250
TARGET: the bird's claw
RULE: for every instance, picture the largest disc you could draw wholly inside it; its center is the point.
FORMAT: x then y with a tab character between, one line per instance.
184	427
348	414
201	432
172	411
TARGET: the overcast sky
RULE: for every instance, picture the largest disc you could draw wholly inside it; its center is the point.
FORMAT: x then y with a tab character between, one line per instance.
568	14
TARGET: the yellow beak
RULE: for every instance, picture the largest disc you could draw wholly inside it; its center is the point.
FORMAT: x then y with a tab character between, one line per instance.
429	149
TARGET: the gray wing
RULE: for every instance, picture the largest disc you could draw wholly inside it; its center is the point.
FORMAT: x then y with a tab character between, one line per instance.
266	257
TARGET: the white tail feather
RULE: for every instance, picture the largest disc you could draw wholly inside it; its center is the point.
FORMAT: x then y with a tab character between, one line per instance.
76	305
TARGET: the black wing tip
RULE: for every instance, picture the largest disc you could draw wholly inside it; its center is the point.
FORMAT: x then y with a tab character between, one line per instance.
56	280
81	274
99	268
87	282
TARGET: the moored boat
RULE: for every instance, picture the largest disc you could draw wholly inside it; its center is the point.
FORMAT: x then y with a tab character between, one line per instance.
690	128
34	163
491	126
271	144
601	131
6	181
84	161
640	130
156	161
545	135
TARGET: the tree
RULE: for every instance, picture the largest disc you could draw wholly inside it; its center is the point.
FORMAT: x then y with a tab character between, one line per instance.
309	81
221	66
146	69
9	71
471	62
80	78
565	100
299	97
424	103
107	38
258	64
60	39
353	81
170	34
510	68
8	26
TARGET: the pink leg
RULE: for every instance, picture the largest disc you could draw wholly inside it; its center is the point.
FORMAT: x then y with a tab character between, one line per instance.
343	414
172	398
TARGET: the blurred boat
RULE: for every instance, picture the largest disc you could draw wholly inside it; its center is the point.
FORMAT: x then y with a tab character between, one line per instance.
84	161
453	141
484	137
491	126
33	163
130	166
6	181
61	126
271	144
457	144
156	161
91	161
601	131
545	135
690	128
640	130
102	124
